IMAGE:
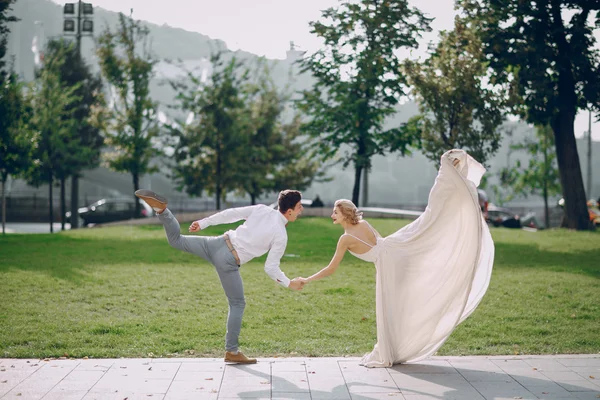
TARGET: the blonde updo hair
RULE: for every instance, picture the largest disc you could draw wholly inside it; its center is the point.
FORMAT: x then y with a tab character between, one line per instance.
348	211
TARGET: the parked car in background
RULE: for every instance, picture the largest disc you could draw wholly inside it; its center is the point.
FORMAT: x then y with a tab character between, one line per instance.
499	216
110	210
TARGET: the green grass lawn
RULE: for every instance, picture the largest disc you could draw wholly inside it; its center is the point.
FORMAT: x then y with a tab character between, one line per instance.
123	292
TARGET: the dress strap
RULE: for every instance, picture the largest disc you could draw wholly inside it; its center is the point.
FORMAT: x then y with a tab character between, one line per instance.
360	240
372	230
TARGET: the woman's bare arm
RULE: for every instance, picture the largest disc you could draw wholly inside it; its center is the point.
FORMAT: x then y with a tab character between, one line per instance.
340	250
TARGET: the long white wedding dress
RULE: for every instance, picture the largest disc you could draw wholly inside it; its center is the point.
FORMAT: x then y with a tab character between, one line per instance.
432	273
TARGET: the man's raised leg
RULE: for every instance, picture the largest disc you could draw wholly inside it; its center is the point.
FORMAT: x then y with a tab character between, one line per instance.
196	245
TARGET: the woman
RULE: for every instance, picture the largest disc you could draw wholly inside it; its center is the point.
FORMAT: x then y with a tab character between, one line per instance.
432	273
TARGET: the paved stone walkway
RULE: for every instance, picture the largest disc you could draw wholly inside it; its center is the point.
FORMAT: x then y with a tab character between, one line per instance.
468	378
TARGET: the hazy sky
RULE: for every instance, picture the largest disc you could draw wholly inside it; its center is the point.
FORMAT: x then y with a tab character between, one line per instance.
265	27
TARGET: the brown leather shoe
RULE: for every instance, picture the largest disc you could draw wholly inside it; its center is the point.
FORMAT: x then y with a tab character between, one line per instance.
238	358
153	200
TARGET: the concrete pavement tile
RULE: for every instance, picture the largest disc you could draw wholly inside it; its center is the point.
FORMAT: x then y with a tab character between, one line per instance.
550	391
10	379
25	393
439	392
485	376
195	386
417	380
8	364
202	367
199	376
531	378
430	367
586	395
579	362
190	396
80	380
108	384
290	366
241	391
289	382
59	394
120	395
95	365
144	370
378	396
547	365
291	396
579	386
559	376
477	364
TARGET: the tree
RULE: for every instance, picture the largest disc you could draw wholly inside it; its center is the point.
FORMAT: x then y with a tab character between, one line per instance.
457	109
5	8
359	80
86	140
544	53
208	148
128	66
52	123
541	176
278	154
15	141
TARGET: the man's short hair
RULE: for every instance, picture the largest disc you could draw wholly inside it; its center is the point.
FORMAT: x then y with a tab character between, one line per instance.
288	200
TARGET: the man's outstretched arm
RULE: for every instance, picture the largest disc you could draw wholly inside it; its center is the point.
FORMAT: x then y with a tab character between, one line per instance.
272	265
223	217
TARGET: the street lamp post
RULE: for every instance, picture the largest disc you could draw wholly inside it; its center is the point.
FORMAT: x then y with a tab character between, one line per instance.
80	25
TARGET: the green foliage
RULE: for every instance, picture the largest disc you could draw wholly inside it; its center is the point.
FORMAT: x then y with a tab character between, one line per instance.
275	149
5	8
128	66
359	80
52	123
208	148
544	54
458	110
86	134
16	142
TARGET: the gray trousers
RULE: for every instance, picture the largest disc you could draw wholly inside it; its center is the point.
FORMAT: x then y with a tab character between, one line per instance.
214	250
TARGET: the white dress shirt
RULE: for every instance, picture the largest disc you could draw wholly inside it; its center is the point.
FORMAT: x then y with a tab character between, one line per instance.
264	230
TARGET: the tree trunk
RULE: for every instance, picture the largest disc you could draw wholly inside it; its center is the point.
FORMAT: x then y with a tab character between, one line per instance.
356	190
4	177
74	202
571	180
546	209
63	204
218	187
252	198
136	186
365	189
51	213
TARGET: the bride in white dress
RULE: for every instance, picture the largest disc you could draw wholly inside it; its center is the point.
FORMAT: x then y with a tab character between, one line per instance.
431	274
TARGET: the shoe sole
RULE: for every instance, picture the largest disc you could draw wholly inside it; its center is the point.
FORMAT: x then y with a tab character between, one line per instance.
239	362
150	194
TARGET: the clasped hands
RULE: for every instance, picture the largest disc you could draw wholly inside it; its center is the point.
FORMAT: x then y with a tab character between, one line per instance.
298	283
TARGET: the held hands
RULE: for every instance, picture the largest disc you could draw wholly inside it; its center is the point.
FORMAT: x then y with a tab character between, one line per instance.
297	283
195	226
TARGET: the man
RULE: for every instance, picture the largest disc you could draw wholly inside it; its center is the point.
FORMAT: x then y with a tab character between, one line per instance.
263	231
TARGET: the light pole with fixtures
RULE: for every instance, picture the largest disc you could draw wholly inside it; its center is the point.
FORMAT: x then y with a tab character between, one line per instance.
78	25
